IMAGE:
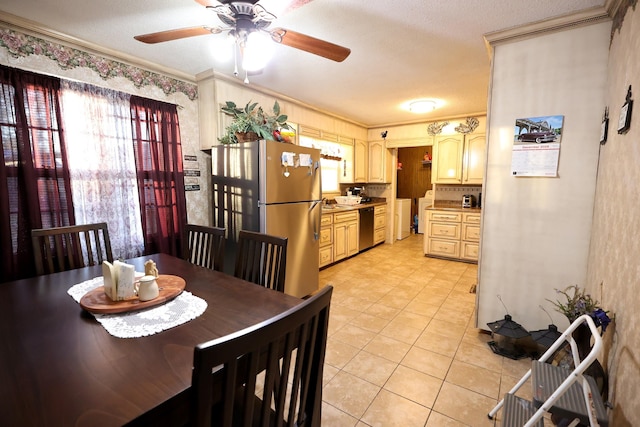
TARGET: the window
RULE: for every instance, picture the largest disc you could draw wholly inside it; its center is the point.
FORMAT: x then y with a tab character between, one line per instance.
330	170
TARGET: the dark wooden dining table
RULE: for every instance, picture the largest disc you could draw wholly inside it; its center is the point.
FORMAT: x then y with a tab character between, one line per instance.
60	367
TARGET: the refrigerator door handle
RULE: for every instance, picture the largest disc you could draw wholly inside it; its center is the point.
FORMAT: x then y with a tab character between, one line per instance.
316	225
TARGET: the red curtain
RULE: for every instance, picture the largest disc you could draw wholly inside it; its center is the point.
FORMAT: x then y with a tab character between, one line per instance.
35	191
158	154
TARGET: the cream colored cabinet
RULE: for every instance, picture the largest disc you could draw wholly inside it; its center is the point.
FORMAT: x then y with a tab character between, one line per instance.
442	235
379	224
447	159
326	239
458	159
452	234
360	161
470	236
379	167
345	234
345	168
474	158
309	131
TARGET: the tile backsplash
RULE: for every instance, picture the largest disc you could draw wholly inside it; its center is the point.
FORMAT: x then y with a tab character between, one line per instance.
455	192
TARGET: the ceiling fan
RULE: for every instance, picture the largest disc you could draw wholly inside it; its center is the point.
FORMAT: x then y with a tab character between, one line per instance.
243	18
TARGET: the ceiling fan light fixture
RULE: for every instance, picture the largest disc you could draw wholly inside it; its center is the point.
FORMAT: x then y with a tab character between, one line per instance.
258	50
223	47
422	106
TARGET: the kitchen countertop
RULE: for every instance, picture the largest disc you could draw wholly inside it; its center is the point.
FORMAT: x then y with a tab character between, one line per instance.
452	206
343	208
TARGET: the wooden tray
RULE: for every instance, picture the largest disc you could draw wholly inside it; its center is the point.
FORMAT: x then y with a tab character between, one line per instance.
96	301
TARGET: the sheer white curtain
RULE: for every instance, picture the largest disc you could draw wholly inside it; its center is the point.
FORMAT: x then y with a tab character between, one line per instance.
97	125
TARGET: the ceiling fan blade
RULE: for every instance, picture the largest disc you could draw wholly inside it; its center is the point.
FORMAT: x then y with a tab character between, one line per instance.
310	44
207	3
165	36
213	3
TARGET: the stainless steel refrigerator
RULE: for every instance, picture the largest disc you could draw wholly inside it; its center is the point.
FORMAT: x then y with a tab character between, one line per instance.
273	188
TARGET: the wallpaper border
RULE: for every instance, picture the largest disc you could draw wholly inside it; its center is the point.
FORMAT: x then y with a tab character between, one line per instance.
23	45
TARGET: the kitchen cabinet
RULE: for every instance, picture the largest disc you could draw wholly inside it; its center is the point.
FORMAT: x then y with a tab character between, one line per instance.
345	169
379	224
309	131
379	168
458	159
345	234
442	236
452	234
360	161
447	159
474	158
470	236
326	239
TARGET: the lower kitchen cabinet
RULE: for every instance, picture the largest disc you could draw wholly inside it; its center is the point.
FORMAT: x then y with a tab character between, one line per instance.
345	234
451	234
470	236
379	224
326	239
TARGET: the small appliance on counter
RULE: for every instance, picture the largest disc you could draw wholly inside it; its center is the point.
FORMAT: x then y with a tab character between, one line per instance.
468	201
355	191
359	191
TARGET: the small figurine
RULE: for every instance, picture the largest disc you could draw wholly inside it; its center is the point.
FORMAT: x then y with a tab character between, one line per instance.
150	268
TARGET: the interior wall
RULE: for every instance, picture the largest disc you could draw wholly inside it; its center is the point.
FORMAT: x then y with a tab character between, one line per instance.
536	231
613	270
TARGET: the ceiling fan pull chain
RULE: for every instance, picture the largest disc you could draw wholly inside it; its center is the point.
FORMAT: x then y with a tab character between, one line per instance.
235	61
246	77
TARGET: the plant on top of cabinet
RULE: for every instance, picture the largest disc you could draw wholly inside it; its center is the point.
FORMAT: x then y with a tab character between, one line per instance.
252	123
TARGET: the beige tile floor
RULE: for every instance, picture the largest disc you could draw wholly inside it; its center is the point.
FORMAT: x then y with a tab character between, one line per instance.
402	347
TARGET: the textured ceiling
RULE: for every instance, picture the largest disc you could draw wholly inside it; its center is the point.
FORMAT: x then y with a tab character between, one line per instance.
400	50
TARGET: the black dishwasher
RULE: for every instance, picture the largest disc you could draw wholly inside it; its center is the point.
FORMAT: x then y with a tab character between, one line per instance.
366	228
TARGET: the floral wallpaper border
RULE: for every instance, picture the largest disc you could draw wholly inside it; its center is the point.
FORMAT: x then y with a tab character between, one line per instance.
22	45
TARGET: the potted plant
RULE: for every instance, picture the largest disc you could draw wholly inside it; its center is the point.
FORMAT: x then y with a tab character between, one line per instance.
252	123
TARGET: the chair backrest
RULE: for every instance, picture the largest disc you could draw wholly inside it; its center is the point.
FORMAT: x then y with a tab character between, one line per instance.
204	246
261	259
269	372
66	248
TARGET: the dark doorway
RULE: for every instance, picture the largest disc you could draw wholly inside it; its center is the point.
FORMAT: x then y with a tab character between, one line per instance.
414	177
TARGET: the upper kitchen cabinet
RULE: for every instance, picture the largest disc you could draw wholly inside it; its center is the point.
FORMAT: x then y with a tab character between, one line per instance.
474	158
360	161
310	132
379	162
447	159
458	159
346	169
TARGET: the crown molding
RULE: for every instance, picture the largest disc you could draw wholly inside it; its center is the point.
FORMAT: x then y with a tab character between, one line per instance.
535	29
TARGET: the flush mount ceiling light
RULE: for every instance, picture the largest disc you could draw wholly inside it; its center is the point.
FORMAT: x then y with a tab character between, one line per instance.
246	24
421	106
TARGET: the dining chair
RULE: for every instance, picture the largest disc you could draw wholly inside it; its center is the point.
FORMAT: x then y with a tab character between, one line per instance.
261	259
67	248
267	374
204	246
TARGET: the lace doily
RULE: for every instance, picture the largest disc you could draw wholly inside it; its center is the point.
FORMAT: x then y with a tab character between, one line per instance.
135	324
